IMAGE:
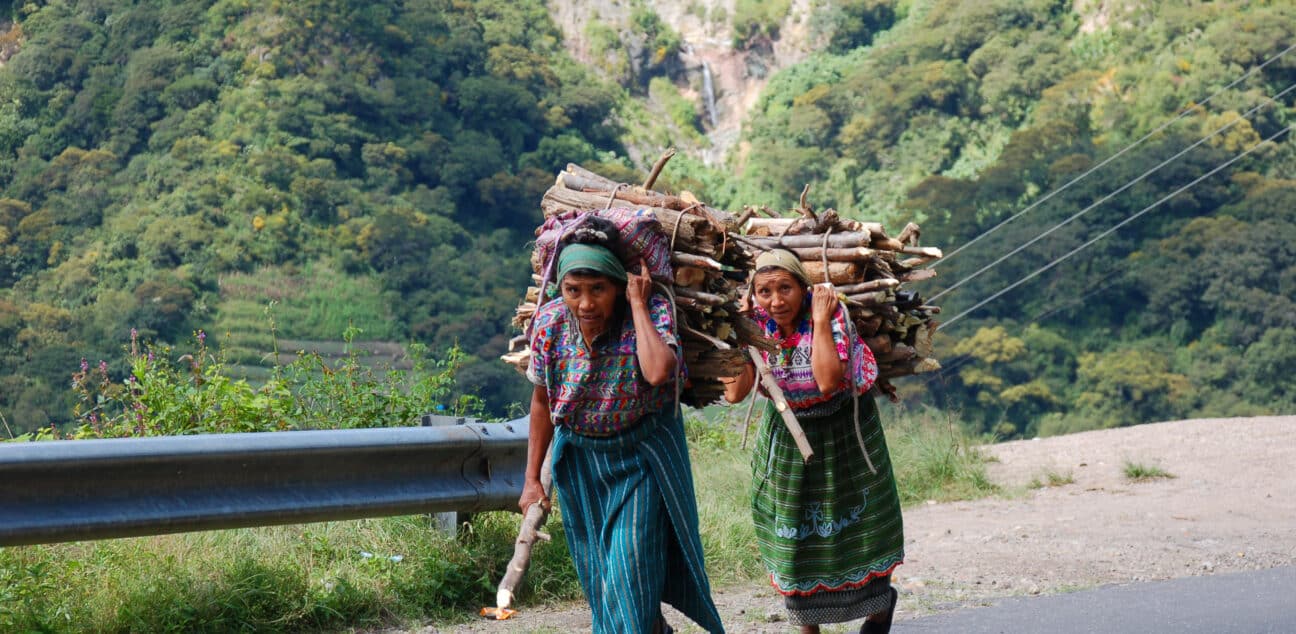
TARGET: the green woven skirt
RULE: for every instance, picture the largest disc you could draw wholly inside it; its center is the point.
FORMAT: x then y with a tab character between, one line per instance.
829	532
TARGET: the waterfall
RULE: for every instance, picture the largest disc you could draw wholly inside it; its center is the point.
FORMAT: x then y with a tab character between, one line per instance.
708	94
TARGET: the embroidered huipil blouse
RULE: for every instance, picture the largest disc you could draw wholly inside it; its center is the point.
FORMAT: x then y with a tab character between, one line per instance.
790	364
598	390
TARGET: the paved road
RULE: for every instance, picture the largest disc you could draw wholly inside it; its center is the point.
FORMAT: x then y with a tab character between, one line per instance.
1261	602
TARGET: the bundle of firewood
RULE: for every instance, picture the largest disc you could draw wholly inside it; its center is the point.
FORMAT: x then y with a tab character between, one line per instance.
871	271
710	273
713	253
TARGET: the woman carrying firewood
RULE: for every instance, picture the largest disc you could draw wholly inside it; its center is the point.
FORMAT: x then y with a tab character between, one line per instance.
603	361
829	531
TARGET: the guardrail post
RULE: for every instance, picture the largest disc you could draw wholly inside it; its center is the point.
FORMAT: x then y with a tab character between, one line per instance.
448	522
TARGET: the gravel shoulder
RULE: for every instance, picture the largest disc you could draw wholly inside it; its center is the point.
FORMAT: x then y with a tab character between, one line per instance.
1229	506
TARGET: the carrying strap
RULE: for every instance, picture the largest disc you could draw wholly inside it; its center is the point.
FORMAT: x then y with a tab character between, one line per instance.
850	357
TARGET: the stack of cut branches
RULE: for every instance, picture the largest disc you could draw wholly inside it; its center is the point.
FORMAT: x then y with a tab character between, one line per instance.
710	273
713	253
870	270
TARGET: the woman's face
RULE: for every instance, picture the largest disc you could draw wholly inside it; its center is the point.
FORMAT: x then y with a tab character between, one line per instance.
592	298
780	294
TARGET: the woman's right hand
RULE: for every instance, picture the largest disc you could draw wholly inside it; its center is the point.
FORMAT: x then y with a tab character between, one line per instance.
532	492
823	304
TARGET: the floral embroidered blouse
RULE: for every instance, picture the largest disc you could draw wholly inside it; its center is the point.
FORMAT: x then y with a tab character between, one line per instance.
791	362
596	391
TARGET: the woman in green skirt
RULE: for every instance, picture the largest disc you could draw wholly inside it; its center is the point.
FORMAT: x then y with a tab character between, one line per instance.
829	532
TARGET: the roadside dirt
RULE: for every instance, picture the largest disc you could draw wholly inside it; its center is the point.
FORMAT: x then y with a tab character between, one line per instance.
1229	505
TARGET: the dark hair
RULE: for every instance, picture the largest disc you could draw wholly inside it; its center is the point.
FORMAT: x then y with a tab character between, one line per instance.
595	231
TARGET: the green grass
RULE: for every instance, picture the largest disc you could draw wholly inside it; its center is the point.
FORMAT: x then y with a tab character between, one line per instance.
1140	472
1051	478
933	457
317	577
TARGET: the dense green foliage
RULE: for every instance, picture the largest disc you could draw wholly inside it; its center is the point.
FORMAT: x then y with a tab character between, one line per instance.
171	166
197	395
959	115
151	151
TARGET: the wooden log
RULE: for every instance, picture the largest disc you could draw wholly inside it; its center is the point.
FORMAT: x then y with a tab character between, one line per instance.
910	234
689	303
887	244
917	275
839	273
528	534
836	241
633	195
752	335
583	184
870	286
657	168
698	261
847	225
856	254
608	183
709	299
771	226
875	298
695	233
716	342
898	352
913	263
868	326
820	224
781	405
689	276
879	344
717	363
519	360
927	252
923	336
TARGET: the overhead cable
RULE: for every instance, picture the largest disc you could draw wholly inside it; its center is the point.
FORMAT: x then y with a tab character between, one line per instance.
1109	196
1185	112
1118	225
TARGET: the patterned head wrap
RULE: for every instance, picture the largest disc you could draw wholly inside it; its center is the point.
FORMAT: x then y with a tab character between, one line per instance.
588	256
783	259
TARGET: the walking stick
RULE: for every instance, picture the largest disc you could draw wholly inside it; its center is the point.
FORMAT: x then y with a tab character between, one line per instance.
528	534
780	403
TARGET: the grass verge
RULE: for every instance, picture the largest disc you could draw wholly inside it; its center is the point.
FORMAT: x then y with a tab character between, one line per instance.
399	570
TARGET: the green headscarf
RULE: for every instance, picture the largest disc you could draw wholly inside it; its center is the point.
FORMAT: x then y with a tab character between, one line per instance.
588	256
783	259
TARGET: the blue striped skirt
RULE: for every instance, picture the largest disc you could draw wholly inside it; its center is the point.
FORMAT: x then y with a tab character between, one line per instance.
631	521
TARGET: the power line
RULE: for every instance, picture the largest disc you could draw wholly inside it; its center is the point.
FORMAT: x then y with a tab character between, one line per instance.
1115	227
1113	157
1090	291
1109	196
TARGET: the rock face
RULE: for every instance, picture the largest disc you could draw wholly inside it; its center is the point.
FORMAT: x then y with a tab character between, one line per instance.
721	79
10	40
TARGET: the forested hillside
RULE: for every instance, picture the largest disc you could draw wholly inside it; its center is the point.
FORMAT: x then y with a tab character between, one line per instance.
380	160
175	166
961	114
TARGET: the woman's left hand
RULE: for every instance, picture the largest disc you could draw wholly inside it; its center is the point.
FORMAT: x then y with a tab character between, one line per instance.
823	305
639	286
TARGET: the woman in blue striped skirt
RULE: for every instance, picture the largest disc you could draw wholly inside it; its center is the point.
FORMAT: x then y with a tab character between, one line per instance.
603	361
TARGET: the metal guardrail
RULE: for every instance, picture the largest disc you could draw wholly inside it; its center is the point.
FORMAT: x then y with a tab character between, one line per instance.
95	489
